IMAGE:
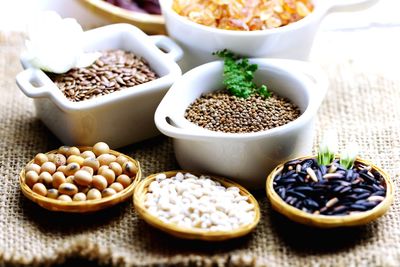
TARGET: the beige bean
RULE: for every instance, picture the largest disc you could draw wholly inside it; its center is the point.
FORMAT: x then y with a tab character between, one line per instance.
63	150
100	148
83	178
52	193
93	194
92	163
58	179
68	189
49	167
101	169
117	187
65	198
73	151
108	192
75	158
121	160
62	169
129	168
40	189
124	180
70	179
87	169
99	182
59	160
31	178
109	175
116	168
79	197
45	178
106	159
72	168
40	159
32	167
50	157
88	154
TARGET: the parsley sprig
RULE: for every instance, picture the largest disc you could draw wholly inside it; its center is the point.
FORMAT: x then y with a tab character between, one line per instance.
239	75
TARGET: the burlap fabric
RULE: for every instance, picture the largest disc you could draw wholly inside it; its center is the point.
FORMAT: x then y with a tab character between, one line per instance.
363	102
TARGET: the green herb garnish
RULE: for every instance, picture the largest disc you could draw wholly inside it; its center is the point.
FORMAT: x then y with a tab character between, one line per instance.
239	75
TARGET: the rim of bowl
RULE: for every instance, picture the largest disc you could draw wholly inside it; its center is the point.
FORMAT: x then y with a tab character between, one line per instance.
302	119
328	221
318	11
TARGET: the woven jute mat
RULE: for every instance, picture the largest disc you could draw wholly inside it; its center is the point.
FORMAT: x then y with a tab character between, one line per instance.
362	103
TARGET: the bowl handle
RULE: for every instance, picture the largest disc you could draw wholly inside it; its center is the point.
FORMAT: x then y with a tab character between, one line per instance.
33	83
168	46
350	5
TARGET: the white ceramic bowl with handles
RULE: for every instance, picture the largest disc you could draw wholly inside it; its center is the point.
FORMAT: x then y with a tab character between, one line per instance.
244	157
293	41
119	118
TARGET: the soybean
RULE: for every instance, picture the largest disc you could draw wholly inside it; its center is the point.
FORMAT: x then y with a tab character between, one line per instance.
40	159
100	148
129	168
83	178
31	178
32	167
93	194
124	180
79	197
68	189
40	189
117	187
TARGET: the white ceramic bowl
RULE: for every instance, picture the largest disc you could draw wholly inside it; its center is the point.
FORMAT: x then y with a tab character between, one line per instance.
119	118
244	157
293	41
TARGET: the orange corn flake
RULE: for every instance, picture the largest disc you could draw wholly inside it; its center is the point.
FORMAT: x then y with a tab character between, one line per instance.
243	15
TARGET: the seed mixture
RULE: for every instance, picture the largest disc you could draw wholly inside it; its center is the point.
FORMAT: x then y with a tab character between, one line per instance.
115	70
198	203
329	189
74	175
243	15
220	111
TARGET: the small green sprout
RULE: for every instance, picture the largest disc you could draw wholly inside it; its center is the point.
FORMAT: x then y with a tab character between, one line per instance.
348	156
328	148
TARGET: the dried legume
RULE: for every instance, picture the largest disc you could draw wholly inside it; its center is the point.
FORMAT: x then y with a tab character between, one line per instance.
83	178
331	189
198	202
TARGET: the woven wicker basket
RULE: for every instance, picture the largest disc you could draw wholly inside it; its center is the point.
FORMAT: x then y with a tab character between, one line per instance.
200	234
152	24
325	221
80	206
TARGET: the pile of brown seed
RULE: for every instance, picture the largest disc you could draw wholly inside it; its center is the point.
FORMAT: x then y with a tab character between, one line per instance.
113	71
220	111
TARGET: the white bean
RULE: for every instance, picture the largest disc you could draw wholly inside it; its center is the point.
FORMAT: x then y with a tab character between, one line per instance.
198	202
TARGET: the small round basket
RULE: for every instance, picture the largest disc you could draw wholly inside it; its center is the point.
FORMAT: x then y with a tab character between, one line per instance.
327	221
81	206
153	24
187	233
